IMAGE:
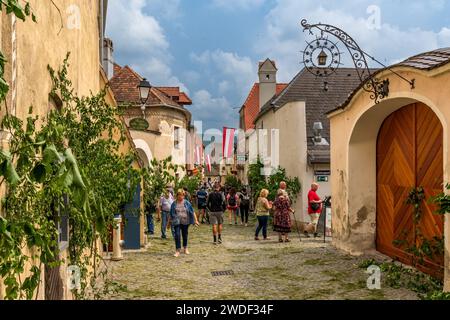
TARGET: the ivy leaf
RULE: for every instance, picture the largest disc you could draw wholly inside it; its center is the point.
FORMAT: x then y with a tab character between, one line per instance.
77	179
66	179
27	9
18	11
7	169
51	155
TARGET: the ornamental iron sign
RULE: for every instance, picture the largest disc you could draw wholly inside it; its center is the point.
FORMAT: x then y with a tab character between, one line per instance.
139	124
322	57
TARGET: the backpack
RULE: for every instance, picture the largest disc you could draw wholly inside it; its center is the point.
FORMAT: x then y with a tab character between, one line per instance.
245	199
232	201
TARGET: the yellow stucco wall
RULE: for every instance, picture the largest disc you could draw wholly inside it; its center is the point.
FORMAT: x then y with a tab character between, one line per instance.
45	43
162	119
354	134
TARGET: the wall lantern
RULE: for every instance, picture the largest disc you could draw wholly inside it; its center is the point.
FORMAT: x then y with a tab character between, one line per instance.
144	93
322	58
317	128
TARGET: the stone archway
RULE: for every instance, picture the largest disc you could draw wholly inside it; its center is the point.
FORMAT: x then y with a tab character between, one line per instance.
361	228
144	152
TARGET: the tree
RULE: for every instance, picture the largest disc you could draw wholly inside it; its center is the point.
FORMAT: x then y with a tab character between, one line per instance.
233	182
157	177
257	181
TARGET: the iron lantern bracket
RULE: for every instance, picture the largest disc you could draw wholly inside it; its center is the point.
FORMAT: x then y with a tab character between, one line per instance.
378	89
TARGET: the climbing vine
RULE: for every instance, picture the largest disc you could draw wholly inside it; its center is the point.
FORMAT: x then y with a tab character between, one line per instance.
71	166
421	247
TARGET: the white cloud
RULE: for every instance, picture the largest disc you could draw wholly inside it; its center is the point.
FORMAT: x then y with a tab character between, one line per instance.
231	71
141	40
238	4
167	9
215	111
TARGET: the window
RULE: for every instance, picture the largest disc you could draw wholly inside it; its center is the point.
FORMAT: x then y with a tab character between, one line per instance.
176	137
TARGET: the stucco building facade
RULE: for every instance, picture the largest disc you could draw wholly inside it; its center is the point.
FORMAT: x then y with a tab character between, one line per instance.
75	26
380	152
291	130
167	129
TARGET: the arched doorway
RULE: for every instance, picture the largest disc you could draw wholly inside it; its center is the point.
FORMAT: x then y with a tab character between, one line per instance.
410	156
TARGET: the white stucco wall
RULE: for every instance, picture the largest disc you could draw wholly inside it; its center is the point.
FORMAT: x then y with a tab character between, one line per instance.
290	121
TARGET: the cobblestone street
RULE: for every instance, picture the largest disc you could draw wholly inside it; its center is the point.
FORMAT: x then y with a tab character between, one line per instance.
261	270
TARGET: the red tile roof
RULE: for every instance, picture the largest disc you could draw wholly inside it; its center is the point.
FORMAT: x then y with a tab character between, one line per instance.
251	105
117	68
125	83
175	94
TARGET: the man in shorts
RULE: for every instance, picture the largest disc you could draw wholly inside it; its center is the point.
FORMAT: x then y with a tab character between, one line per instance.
202	196
216	206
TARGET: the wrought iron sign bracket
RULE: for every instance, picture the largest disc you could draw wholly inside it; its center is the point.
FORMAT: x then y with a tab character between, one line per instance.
328	57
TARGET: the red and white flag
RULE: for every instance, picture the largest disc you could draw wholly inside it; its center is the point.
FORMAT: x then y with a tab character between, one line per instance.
228	142
208	162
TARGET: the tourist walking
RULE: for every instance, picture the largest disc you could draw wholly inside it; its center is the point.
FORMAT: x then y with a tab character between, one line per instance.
202	196
314	207
187	195
262	211
165	204
244	206
282	216
150	209
232	205
216	206
181	217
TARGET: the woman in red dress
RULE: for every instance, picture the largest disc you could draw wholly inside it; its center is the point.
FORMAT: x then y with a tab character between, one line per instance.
282	217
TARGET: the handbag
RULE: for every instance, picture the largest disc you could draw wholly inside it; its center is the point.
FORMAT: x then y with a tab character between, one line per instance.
315	206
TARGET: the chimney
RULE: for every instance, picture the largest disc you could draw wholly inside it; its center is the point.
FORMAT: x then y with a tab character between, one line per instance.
108	60
267	74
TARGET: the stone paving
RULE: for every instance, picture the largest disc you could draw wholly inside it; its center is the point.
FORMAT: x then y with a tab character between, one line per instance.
297	270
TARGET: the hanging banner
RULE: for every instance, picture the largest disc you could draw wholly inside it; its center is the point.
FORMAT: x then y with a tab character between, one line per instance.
228	142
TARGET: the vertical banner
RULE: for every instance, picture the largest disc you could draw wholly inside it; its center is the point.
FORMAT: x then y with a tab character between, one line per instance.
228	142
208	162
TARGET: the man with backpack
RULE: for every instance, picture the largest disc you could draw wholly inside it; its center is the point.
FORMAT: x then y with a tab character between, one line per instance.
216	206
232	205
244	206
202	196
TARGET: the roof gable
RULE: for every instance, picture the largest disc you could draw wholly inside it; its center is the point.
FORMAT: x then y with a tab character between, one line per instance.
125	84
267	65
311	89
251	105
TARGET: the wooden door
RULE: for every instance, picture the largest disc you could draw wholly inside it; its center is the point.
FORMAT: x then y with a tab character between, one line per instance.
409	155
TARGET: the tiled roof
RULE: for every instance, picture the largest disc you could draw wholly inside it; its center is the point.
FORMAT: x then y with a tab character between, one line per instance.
251	105
175	94
117	68
125	83
425	61
310	89
428	60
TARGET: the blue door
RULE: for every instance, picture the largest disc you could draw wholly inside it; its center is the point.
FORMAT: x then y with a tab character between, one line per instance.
132	230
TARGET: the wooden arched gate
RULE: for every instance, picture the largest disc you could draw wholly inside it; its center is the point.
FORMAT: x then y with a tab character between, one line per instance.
410	155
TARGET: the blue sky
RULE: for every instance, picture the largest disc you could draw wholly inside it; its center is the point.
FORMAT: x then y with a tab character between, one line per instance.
211	48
